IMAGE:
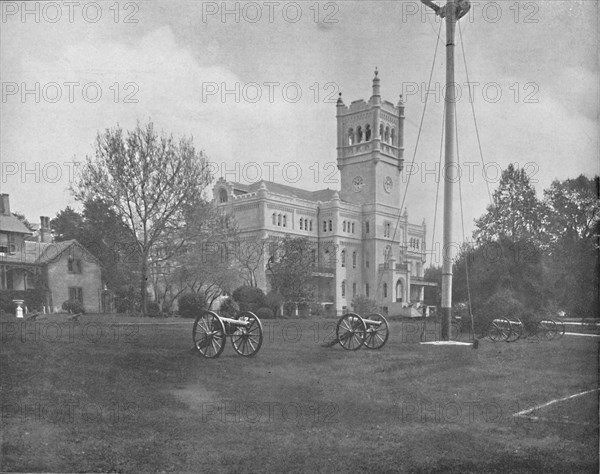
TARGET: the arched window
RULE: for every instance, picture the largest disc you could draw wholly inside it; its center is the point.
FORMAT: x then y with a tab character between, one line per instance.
330	226
387	253
274	219
387	134
324	226
279	220
399	291
353	289
359	135
393	136
310	222
353	259
343	258
367	227
367	290
344	226
343	288
351	136
223	196
381	130
284	220
367	133
301	224
353	227
385	290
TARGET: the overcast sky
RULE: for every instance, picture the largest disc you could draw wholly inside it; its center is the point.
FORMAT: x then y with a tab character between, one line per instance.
536	103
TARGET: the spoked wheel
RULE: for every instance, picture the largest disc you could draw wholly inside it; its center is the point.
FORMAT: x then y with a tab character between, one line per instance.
209	334
246	340
499	329
351	331
516	332
547	330
560	328
377	334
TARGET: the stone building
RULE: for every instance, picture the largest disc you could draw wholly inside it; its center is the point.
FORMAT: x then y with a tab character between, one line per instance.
364	243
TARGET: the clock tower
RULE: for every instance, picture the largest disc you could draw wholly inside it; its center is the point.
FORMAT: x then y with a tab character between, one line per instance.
370	151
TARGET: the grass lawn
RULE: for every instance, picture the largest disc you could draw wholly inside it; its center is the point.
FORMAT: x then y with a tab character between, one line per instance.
97	396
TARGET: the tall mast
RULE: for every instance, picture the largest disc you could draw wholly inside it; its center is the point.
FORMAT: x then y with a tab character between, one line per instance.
452	11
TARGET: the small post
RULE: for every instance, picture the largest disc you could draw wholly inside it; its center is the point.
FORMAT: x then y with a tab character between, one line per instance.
19	310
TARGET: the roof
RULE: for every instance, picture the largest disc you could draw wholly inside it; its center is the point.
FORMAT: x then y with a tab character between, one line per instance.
40	253
13	224
322	195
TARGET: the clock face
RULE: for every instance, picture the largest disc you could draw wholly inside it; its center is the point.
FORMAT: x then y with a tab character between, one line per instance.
388	184
358	183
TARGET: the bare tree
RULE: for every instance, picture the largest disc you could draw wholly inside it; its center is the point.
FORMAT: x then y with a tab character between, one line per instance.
148	181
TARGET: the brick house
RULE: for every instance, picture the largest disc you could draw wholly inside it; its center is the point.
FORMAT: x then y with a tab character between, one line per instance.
42	272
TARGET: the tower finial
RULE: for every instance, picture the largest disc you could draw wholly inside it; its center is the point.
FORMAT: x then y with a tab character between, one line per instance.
376	84
376	71
340	101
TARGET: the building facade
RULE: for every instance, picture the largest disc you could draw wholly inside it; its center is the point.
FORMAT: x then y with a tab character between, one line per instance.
364	243
44	273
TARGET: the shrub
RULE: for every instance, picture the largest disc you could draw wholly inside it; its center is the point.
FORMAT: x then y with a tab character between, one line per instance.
317	309
153	309
501	304
229	308
249	298
363	305
73	306
33	299
274	300
265	313
127	299
190	305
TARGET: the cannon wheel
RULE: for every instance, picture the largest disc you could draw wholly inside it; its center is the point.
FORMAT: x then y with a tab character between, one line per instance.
547	329
209	334
516	327
351	331
247	340
499	330
377	336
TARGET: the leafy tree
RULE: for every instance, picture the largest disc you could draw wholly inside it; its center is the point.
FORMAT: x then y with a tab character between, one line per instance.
292	270
516	213
148	181
363	305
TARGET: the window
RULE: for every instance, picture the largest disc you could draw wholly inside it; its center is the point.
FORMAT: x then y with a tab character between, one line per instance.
394	136
354	289
274	219
359	135
367	133
385	290
343	288
223	196
344	226
353	259
387	229
301	223
351	136
310	222
353	227
330	226
279	220
4	243
74	265
343	258
284	220
367	290
314	255
76	293
367	227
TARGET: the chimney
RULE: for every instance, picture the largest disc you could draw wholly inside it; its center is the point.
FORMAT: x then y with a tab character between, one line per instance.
45	235
4	205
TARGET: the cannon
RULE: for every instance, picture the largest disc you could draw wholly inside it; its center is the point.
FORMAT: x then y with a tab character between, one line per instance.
211	331
510	329
354	331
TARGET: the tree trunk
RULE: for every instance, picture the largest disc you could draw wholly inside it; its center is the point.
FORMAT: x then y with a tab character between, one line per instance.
143	285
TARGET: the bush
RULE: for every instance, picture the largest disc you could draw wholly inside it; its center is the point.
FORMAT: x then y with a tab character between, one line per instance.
229	308
317	309
249	298
153	309
363	305
274	300
265	313
73	306
127	299
501	304
33	299
190	305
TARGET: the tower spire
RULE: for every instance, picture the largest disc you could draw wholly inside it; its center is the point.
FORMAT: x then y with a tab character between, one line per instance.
376	84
